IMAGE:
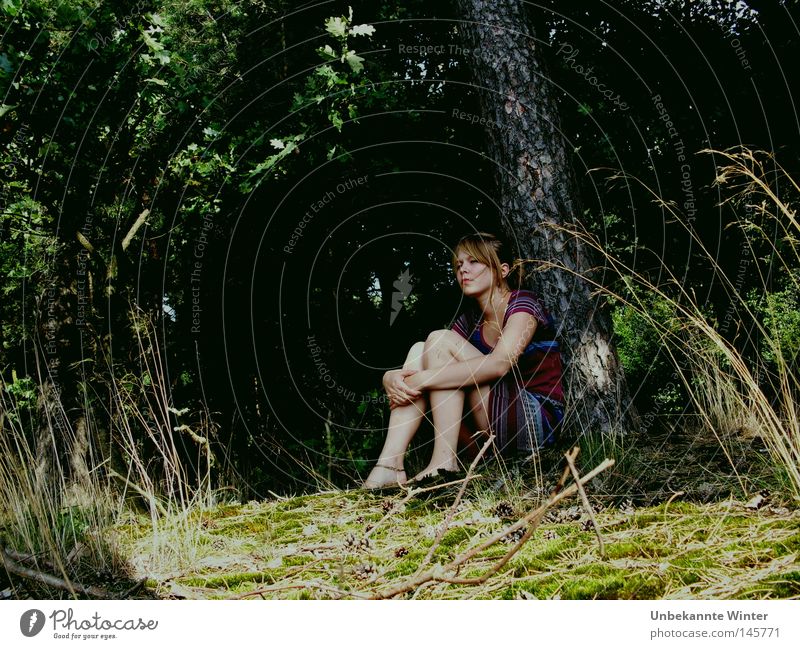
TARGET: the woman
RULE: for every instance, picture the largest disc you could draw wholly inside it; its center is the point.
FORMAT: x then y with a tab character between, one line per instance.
500	356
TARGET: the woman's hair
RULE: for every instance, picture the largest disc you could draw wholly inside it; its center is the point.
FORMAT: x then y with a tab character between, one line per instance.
493	251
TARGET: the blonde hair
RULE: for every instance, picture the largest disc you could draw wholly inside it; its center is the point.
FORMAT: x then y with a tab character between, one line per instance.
493	251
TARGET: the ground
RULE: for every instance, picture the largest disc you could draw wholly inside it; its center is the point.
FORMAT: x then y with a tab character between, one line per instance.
685	526
678	517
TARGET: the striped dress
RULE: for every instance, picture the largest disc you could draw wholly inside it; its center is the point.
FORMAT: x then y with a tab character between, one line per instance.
525	405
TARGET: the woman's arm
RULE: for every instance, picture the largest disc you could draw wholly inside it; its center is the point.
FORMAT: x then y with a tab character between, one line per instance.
514	338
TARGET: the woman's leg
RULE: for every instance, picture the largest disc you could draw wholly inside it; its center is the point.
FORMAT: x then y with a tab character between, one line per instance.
447	406
403	424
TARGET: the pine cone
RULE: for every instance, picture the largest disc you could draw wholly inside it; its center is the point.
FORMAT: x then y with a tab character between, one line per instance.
352	542
513	537
387	506
400	552
365	571
503	510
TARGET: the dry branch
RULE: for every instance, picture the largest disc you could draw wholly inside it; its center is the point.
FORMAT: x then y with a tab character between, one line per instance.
49	580
447	573
585	500
451	512
135	228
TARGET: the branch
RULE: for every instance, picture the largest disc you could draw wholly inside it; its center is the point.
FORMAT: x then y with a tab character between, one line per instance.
585	500
135	228
51	581
452	510
532	519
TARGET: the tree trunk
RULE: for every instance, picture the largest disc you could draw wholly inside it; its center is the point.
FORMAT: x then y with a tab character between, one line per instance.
537	188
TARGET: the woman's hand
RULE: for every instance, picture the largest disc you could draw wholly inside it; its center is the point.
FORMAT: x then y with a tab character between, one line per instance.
400	394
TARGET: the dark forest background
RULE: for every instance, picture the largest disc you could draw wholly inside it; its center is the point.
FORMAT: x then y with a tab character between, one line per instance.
206	207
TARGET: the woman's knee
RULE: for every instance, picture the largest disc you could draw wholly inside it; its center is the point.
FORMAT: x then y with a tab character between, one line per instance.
414	356
441	337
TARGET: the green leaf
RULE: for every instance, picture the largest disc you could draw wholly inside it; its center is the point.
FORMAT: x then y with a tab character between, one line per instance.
10	7
355	61
327	52
336	26
4	108
329	74
336	120
152	43
362	30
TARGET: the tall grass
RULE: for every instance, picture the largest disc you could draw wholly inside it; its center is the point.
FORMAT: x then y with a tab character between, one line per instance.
63	485
45	514
736	389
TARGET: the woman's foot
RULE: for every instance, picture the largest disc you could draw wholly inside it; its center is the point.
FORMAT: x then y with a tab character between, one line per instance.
432	471
383	475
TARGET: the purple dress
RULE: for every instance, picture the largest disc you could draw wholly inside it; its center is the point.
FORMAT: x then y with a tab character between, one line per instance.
527	403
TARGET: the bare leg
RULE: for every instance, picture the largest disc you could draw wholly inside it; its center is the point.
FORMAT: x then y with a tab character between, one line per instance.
471	439
447	406
403	424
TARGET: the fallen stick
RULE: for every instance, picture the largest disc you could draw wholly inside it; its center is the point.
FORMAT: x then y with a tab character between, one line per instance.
533	518
133	588
22	557
50	580
305	584
451	512
585	500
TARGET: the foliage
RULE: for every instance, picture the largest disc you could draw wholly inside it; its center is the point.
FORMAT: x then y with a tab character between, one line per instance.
640	341
780	314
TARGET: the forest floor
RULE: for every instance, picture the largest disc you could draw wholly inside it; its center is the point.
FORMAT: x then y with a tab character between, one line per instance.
677	519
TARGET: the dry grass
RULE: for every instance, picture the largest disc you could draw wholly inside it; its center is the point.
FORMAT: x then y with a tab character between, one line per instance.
730	392
343	545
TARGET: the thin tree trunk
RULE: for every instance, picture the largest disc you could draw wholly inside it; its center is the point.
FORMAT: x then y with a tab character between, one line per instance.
537	187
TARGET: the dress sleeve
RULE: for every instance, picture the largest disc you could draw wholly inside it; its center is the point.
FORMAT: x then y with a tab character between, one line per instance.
527	302
461	326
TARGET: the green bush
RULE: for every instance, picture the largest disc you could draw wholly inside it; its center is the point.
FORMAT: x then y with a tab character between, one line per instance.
639	333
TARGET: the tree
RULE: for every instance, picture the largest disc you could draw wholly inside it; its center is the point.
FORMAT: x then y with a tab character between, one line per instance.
537	191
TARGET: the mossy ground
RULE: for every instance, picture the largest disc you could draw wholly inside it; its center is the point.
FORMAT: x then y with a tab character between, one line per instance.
355	544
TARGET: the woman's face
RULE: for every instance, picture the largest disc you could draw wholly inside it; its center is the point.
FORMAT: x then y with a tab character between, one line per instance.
474	277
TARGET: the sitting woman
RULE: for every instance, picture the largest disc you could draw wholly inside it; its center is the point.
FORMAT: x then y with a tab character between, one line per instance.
499	356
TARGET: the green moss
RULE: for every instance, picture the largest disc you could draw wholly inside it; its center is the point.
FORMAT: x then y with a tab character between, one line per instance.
455	537
552	549
406	567
787	545
784	586
647	555
694	560
230	581
616	584
636	549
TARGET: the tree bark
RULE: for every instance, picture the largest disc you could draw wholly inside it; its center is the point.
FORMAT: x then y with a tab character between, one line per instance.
538	190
